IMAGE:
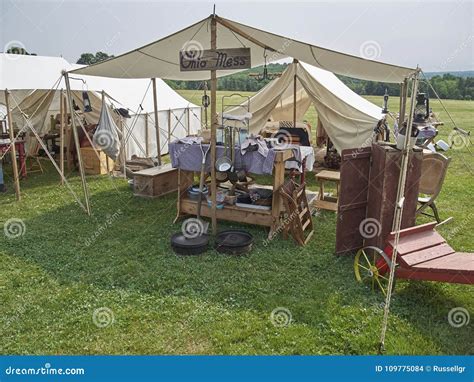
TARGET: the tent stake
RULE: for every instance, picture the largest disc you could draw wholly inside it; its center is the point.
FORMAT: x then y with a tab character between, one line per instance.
157	125
77	144
16	178
213	129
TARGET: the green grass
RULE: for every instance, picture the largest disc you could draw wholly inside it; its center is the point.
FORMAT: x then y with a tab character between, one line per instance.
51	281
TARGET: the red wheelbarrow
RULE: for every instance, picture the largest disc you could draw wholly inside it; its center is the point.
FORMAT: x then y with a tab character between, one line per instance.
423	254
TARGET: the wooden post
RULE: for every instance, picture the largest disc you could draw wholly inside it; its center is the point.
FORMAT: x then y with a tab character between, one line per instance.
146	135
16	178
213	129
77	144
123	154
188	116
294	94
169	125
68	135
61	135
157	125
403	102
397	219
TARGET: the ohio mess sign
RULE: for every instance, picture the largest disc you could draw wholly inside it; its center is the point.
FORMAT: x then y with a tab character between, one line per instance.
219	59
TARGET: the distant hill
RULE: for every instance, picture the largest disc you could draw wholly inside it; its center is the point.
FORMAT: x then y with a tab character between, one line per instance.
463	74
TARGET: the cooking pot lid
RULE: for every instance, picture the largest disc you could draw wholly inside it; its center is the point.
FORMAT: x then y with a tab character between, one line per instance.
179	240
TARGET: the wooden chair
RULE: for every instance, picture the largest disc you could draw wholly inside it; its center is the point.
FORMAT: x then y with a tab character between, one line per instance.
433	173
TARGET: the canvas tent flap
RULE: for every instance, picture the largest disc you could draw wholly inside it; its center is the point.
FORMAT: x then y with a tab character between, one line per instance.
348	119
161	58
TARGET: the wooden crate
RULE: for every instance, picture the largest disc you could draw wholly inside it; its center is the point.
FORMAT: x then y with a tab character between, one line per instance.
92	164
155	181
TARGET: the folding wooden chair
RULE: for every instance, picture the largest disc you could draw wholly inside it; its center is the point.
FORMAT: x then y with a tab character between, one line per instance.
298	220
433	172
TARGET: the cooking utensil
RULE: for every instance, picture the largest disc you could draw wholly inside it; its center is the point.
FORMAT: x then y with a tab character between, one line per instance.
183	245
234	242
201	185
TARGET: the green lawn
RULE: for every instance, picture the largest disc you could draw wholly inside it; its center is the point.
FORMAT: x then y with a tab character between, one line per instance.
66	266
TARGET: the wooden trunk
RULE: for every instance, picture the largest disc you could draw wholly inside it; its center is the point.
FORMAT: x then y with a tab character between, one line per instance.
384	175
155	181
92	164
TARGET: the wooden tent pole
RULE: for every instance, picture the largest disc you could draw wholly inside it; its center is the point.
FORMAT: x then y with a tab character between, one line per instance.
169	125
16	177
61	135
403	102
397	219
213	129
77	144
146	135
295	61
157	125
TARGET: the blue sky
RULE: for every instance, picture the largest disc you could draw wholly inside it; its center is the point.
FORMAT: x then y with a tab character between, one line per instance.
436	35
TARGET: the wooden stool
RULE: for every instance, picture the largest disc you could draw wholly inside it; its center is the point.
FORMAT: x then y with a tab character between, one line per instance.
327	202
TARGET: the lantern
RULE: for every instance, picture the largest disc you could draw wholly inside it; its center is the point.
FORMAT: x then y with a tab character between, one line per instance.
422	108
86	101
385	102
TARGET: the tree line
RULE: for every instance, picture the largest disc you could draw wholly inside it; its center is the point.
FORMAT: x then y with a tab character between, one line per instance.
448	86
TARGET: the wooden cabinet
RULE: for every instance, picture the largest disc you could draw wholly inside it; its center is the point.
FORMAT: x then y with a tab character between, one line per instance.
369	182
382	198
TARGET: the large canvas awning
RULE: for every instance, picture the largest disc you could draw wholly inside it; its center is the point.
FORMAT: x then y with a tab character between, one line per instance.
161	58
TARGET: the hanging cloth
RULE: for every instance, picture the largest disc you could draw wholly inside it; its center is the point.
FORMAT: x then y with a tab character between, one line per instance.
106	136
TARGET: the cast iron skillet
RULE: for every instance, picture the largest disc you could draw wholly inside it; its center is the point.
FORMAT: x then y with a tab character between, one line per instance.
234	242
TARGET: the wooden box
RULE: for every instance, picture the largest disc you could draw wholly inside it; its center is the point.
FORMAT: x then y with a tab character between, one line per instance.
155	181
92	164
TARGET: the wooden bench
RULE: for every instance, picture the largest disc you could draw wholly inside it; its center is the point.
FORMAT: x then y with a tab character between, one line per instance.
155	181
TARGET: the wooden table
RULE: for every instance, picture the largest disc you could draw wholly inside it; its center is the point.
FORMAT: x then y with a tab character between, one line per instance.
20	147
267	218
327	202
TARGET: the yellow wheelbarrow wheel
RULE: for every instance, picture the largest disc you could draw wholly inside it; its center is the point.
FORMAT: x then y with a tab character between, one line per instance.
372	267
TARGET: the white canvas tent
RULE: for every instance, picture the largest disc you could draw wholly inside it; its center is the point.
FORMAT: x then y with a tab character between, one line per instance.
36	81
348	119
